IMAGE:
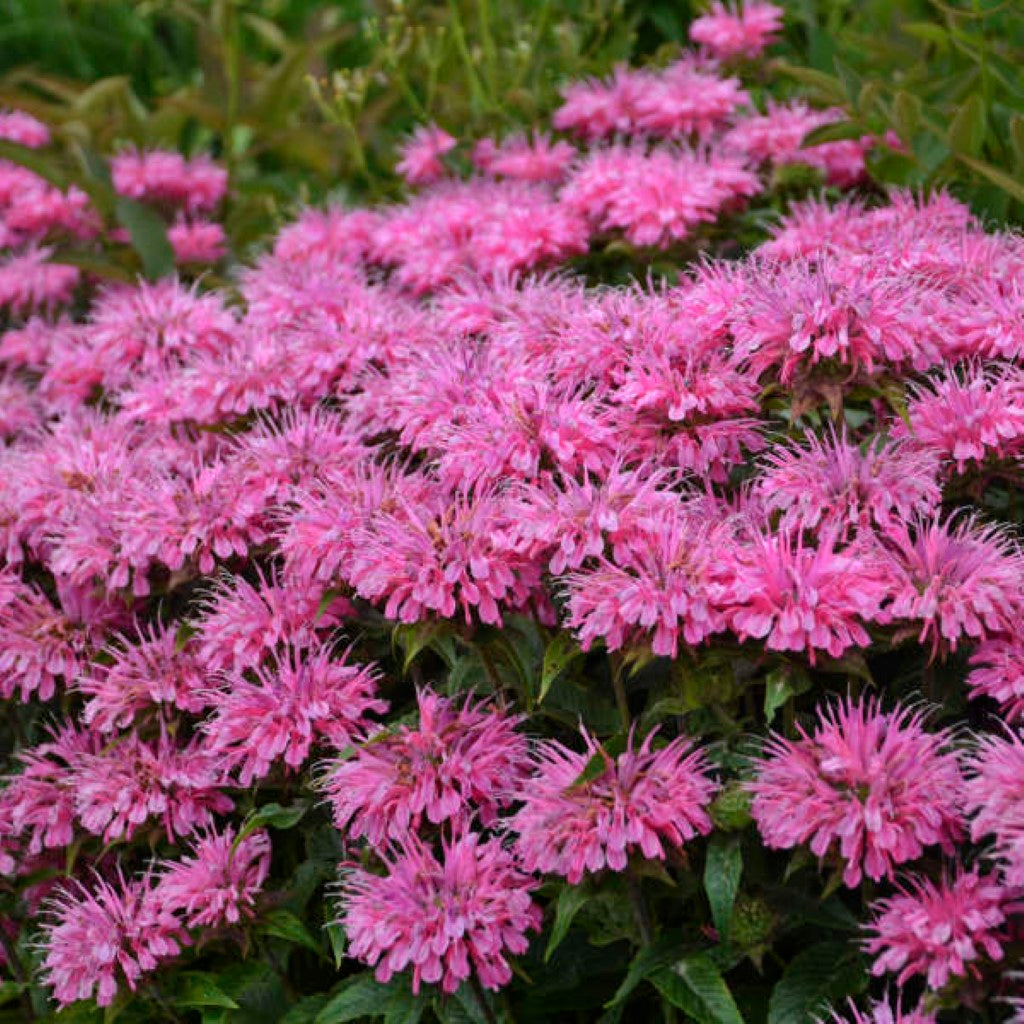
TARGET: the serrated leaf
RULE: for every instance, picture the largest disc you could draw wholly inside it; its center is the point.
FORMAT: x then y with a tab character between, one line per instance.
816	977
558	656
967	129
283	924
707	985
722	870
780	686
305	1010
198	989
148	233
906	113
570	899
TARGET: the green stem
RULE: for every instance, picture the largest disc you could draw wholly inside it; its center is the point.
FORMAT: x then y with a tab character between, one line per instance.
481	998
619	687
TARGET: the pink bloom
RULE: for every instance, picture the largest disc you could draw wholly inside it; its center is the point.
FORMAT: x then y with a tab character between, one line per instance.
289	705
655	198
421	155
998	673
938	930
28	282
96	940
242	624
130	781
337	233
445	919
994	794
163	176
687	100
443	553
137	673
536	159
458	760
796	597
658	584
970	415
644	801
40	801
742	32
873	785
21	127
836	481
218	882
197	241
883	1013
958	580
600	109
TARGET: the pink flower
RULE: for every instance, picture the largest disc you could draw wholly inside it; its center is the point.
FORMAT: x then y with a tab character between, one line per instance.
443	553
872	785
644	801
21	127
535	159
970	415
286	707
658	584
600	109
938	930
998	673
97	940
994	795
197	241
883	1013
40	801
242	624
687	100
130	781
776	587
445	919
836	481
744	32
28	282
655	198
959	580
163	176
421	155
458	760
137	673
218	882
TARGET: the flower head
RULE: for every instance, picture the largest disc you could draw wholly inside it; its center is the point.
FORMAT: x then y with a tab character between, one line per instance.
743	32
938	930
459	760
100	938
218	882
875	786
421	155
994	796
446	919
644	801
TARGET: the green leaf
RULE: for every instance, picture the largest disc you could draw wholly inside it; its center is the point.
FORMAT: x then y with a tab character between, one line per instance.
780	686
198	989
149	236
339	942
906	114
305	1010
558	655
283	924
927	32
967	129
834	132
272	815
1013	186
1017	140
722	870
40	163
711	995
570	899
660	953
364	996
816	977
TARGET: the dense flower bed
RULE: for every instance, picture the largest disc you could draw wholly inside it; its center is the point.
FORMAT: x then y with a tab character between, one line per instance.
680	621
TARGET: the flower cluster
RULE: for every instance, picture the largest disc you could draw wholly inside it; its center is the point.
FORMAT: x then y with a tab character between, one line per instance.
426	515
